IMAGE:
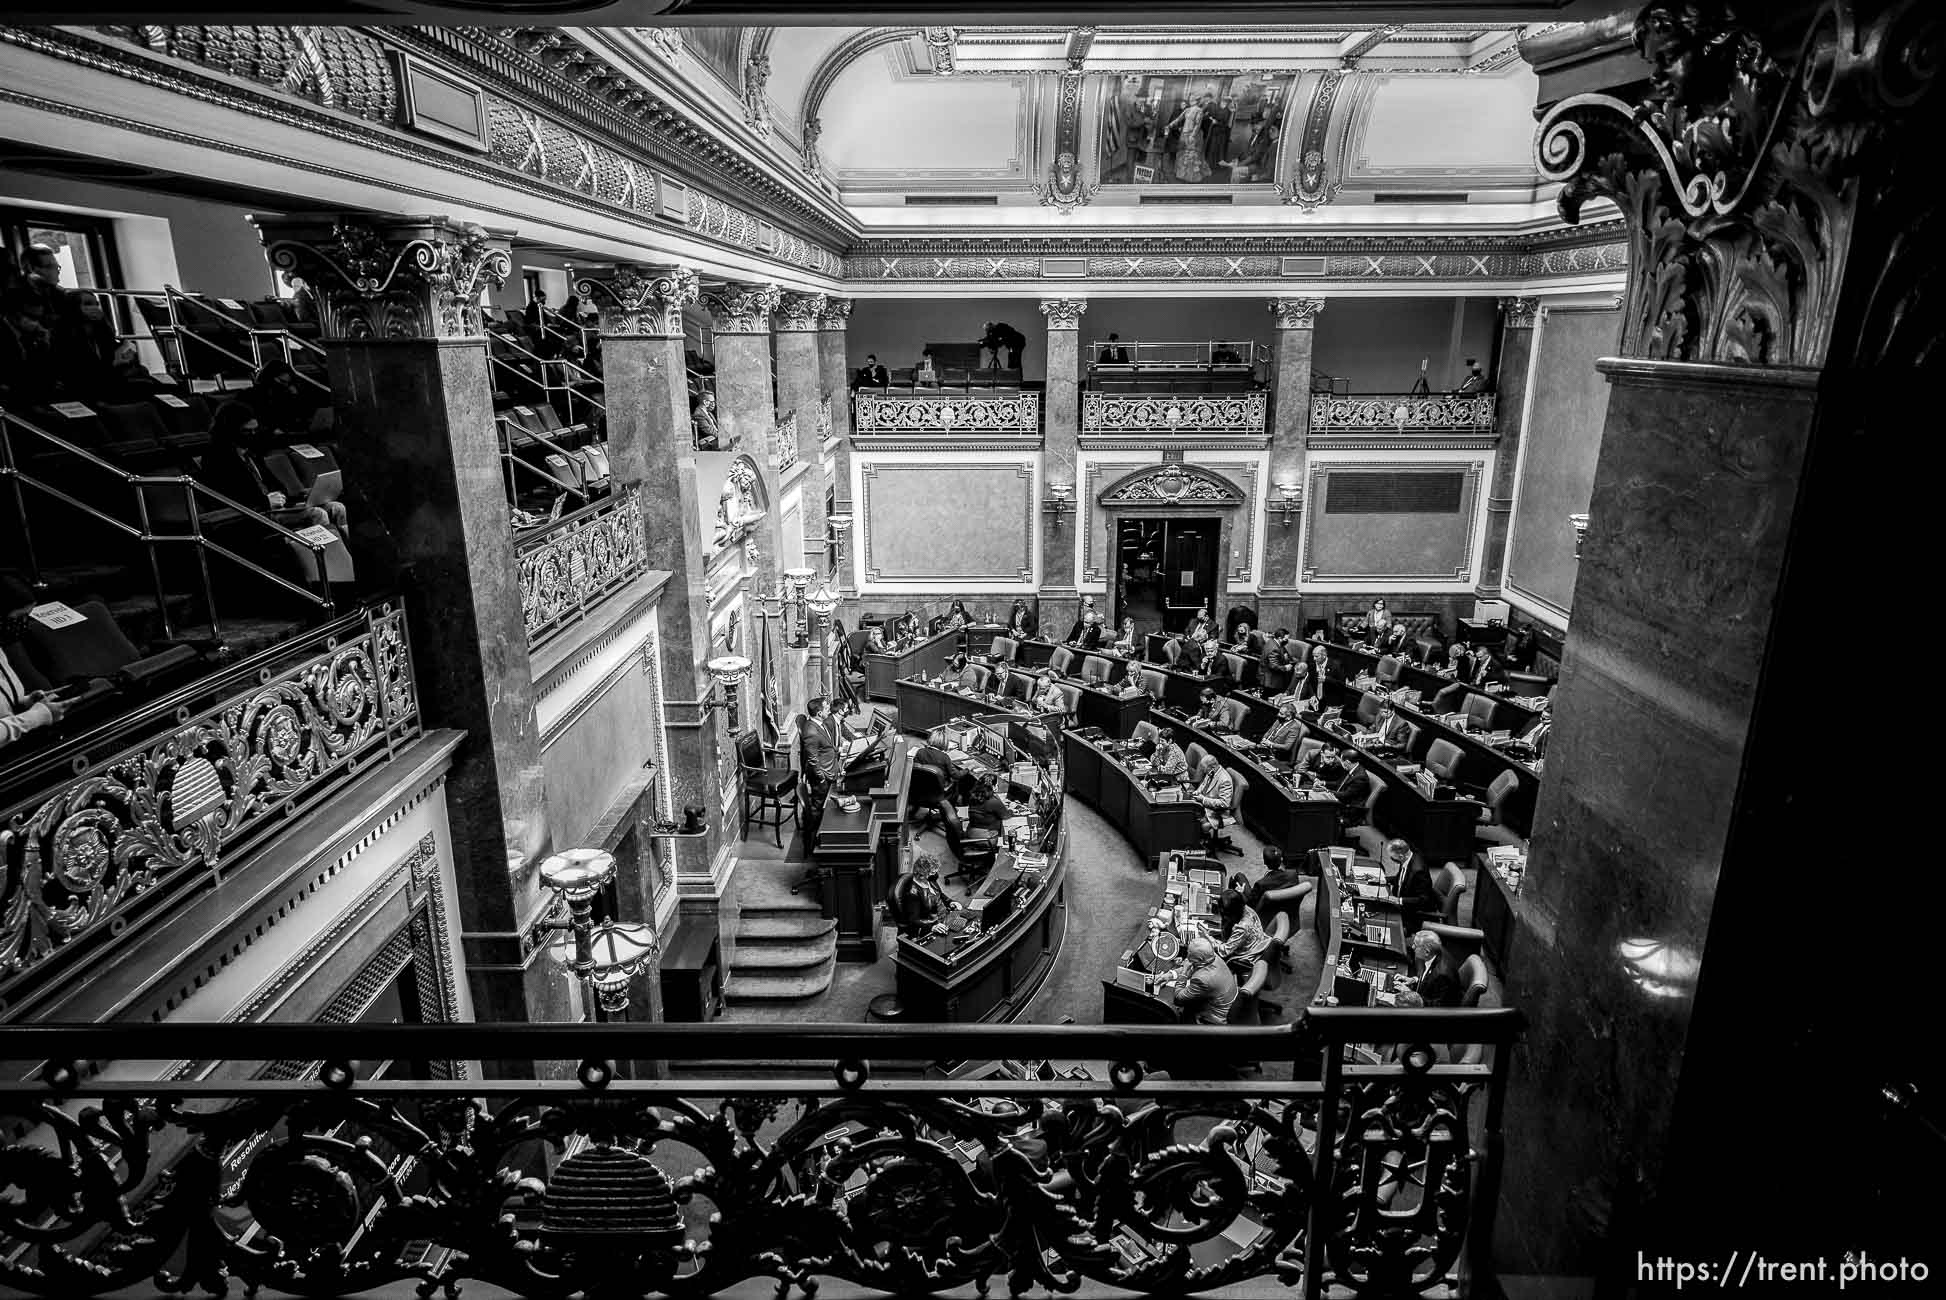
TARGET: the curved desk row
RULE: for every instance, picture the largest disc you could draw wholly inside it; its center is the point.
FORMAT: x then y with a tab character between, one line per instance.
1154	822
1279	807
924	705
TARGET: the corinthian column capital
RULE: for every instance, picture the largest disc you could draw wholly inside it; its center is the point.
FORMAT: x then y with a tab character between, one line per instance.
637	300
378	277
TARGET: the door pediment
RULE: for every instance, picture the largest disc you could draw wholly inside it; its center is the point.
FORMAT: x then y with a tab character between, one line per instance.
1171	483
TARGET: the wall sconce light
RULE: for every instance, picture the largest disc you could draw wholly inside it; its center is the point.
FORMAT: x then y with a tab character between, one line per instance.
837	529
1580	525
728	672
1060	500
603	957
1290	499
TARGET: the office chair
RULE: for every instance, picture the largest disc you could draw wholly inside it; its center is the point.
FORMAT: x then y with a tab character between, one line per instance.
1449	882
1063	659
1443	760
977	854
1220	843
1145	730
1095	669
1495	828
1004	648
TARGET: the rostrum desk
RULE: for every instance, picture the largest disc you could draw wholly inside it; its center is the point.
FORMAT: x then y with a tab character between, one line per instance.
926	657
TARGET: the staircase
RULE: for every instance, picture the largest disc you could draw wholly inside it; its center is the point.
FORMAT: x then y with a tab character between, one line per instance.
786	950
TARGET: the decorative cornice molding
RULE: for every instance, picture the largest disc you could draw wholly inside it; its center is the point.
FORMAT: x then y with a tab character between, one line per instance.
1172	483
636	300
1296	313
379	277
1520	313
742	308
1063	313
800	313
1751	188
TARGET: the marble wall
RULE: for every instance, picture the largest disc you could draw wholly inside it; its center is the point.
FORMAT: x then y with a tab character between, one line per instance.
944	521
1558	451
1430	545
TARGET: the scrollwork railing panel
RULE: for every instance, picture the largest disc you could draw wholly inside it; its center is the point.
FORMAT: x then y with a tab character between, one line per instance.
1403	413
156	822
786	436
824	420
1163	413
570	568
688	1187
1009	413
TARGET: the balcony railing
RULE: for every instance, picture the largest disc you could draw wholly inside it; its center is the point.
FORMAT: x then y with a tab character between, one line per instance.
348	1157
109	832
824	420
1242	413
1402	413
949	413
569	567
786	436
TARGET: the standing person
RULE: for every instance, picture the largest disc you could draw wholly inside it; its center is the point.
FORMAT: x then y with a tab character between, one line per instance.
1192	168
998	336
820	743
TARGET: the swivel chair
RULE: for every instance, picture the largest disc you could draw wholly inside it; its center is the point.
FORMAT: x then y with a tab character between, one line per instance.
1219	842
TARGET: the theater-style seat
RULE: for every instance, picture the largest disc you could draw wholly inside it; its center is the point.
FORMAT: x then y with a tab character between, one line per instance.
1072	694
1062	659
1529	683
1172	651
1450	699
1095	669
1020	686
1243	671
979	676
1306	748
96	648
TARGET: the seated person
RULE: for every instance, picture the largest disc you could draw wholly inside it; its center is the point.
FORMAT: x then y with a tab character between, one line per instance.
1168	759
1022	625
908	628
1210	990
278	397
1282	888
919	905
1394	639
1124	643
1086	629
1450	664
1435	975
702	421
1241	940
956	615
986	816
925	372
1210	710
1214	791
1391	728
1348	780
1216	665
1535	736
1003	673
1249	642
230	467
1051	698
1130	688
875	640
1487	672
1286	733
21	710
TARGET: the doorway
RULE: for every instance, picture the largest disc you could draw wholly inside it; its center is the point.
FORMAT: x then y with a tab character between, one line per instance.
1165	570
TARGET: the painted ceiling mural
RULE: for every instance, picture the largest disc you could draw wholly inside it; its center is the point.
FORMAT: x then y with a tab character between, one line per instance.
1193	129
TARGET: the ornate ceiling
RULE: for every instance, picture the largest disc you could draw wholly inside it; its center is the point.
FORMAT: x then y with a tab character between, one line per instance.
915	129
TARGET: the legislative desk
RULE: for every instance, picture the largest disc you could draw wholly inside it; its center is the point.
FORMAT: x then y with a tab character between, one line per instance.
985	973
1481	759
1037	654
977	638
1153	821
926	657
1361	933
923	705
1095	706
1441	828
1295	817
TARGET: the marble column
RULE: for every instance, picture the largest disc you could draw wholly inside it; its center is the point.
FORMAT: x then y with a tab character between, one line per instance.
746	405
800	390
1061	421
651	446
1279	604
834	367
409	377
1519	318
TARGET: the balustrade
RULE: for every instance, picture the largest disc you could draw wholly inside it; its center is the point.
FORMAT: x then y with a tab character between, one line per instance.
948	413
571	566
1402	413
786	436
1237	413
992	1162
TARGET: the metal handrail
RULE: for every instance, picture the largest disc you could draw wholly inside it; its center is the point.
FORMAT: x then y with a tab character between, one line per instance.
507	454
170	296
537	359
11	469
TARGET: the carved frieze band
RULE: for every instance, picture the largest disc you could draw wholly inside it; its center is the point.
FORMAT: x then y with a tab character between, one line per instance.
1749	186
388	277
800	313
742	308
1296	313
640	301
1063	313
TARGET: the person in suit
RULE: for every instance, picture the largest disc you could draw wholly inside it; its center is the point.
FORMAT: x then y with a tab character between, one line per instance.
1321	667
1535	736
1086	621
820	741
1284	734
1278	877
1209	708
1125	640
1051	698
1485	670
918	903
1394	639
1113	353
1214	791
1307	687
1021	624
1412	881
1003	673
1216	667
1210	990
1348	781
1392	728
876	375
1476	378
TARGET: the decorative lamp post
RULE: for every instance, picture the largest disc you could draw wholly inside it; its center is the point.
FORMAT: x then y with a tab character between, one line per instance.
601	956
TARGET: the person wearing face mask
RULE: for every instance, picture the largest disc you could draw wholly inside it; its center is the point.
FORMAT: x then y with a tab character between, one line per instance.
1286	733
230	467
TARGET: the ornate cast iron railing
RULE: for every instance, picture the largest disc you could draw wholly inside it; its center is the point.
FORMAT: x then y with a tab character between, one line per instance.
360	1169
1402	413
824	420
786	436
1001	413
570	567
113	830
1136	413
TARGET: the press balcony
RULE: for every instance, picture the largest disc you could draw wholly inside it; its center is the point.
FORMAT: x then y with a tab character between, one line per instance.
330	1159
1355	419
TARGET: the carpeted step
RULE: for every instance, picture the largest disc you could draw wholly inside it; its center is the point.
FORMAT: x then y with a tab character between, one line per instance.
780	986
760	925
776	957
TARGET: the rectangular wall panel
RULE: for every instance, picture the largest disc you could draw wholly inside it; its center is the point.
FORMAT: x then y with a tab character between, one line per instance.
1391	522
957	521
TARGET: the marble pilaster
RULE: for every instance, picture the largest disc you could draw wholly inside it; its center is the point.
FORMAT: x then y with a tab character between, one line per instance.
800	389
834	368
1278	602
1519	322
406	351
1061	425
